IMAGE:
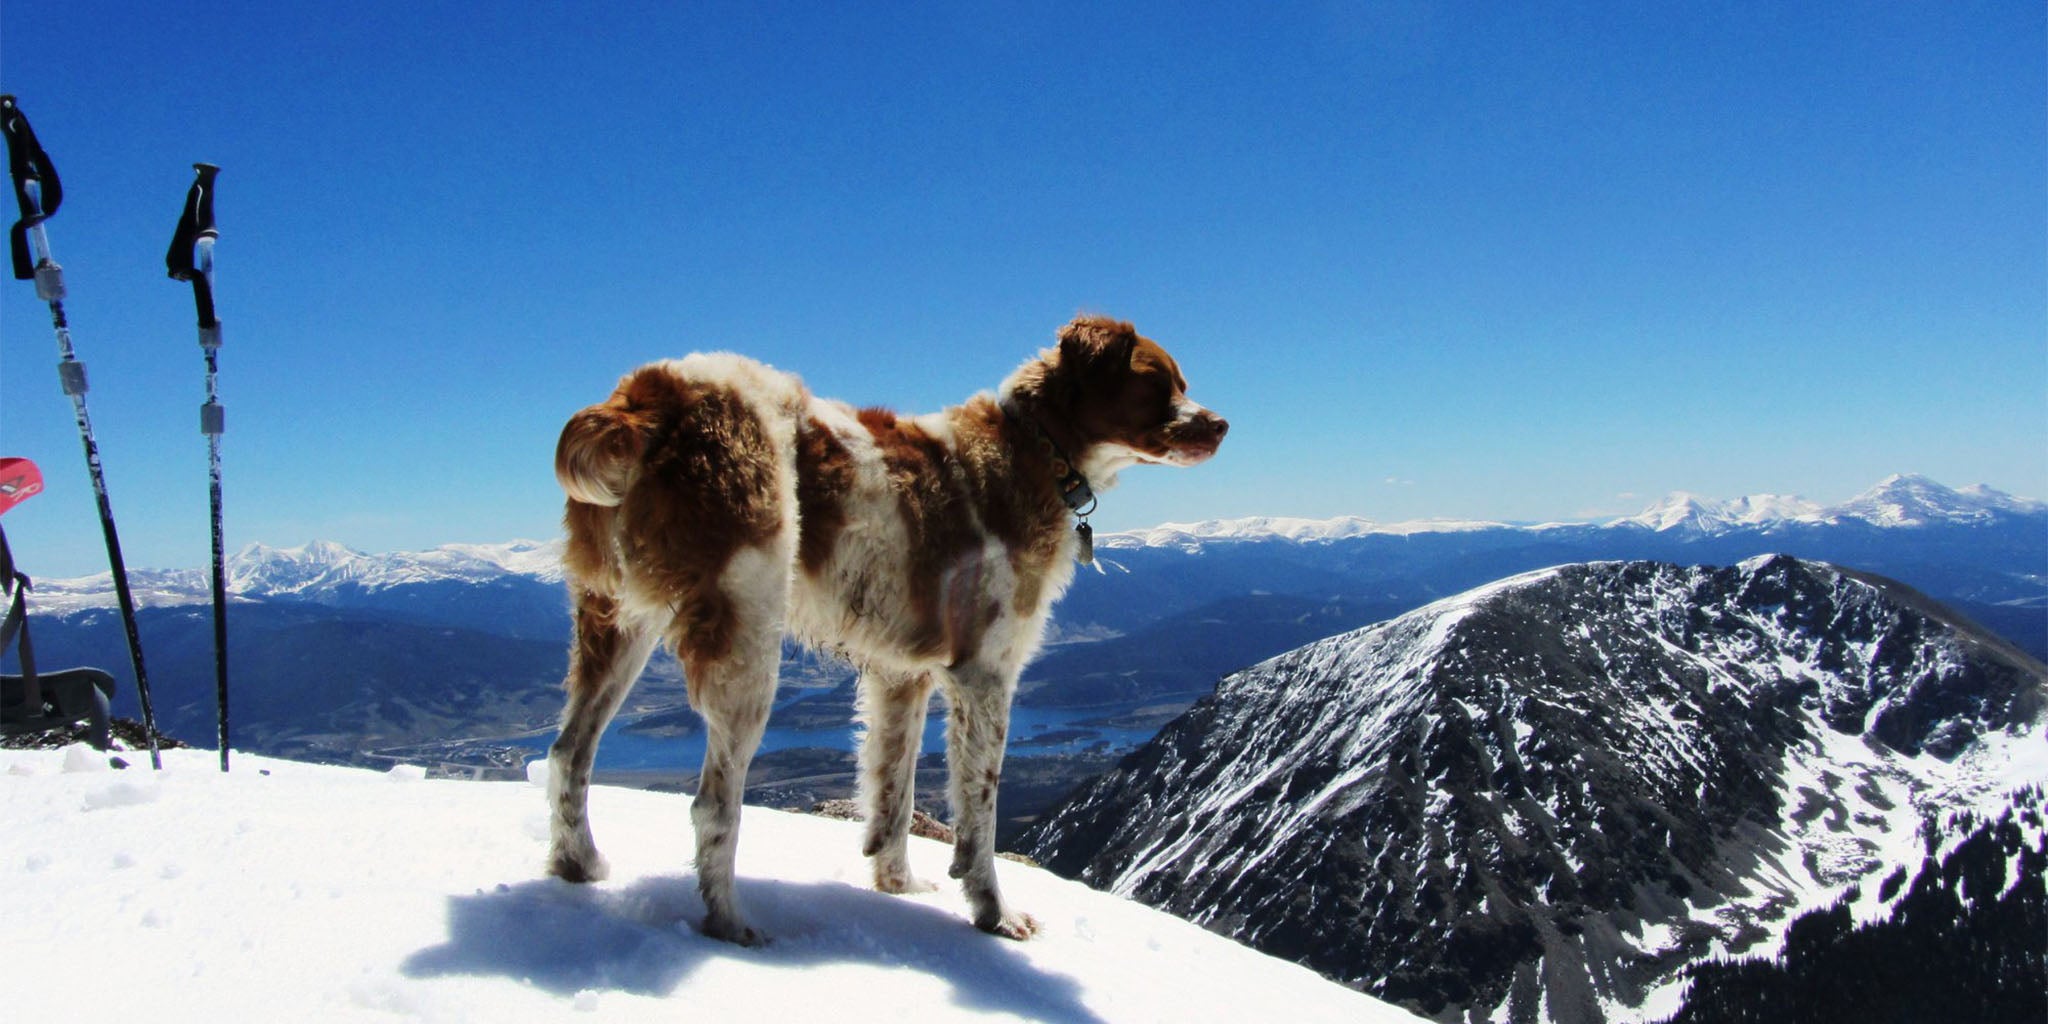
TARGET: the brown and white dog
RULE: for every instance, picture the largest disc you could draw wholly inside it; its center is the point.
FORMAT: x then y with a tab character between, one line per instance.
716	505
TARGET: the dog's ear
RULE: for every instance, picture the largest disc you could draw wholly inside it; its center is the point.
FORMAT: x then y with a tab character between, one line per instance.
1091	342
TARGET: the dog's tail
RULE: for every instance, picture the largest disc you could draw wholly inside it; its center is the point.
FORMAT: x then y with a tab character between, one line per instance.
599	453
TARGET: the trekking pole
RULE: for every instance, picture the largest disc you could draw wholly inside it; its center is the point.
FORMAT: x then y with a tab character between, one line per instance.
191	259
38	192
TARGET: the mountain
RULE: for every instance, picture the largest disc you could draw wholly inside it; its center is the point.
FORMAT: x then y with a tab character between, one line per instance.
1982	881
1900	500
511	589
378	646
1555	792
309	681
295	892
1692	514
1918	501
1979	551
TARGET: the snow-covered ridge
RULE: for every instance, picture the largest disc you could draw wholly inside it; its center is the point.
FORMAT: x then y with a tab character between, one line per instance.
1192	536
310	572
353	895
1578	746
1898	501
1683	510
262	570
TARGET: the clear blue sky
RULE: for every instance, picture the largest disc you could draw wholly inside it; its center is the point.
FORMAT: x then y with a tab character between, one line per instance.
1513	261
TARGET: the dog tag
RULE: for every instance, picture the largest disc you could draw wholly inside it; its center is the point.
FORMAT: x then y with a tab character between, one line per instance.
1086	533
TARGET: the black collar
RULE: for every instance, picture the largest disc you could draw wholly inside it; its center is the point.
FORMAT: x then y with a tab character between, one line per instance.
1073	487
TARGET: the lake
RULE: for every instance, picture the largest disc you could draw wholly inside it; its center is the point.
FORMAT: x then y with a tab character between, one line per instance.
1033	731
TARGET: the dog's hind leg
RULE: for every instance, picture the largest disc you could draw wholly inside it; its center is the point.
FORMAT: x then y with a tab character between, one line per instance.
607	657
977	727
733	686
893	710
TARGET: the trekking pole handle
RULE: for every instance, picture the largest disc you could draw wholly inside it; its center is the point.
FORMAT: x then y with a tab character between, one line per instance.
191	254
37	190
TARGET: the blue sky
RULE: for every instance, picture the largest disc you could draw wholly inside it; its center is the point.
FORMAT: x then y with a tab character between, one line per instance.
1527	262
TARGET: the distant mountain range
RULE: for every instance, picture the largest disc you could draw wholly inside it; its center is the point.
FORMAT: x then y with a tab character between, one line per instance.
1900	500
323	572
1546	798
371	646
1154	614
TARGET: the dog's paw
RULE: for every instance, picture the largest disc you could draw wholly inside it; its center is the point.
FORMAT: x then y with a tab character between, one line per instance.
733	930
1010	924
901	883
579	868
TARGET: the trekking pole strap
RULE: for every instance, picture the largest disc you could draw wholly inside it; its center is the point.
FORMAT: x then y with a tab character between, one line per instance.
14	622
191	254
37	190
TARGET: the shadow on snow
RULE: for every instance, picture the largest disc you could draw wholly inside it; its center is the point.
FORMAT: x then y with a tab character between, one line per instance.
642	939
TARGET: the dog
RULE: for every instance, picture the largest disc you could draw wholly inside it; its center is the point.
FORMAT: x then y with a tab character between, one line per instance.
715	505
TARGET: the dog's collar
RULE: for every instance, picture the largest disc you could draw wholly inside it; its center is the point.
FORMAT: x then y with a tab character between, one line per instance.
1072	485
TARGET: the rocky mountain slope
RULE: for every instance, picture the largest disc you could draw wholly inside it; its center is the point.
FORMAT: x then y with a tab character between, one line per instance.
1963	936
1544	798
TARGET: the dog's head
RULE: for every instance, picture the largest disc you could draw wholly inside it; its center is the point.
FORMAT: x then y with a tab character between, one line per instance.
1116	398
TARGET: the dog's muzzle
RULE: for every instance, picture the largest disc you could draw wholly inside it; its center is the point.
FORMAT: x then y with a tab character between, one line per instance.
1196	437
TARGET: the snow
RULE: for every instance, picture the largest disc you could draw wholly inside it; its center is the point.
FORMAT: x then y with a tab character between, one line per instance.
290	891
309	572
1193	537
1910	500
1897	501
1683	510
1900	500
261	570
1398	652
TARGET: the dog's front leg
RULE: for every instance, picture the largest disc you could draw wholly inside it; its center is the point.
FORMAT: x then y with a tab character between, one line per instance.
977	727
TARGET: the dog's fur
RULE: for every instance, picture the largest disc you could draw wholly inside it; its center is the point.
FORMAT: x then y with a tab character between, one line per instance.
715	505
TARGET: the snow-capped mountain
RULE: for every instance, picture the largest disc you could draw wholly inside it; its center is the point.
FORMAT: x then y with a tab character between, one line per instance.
1900	500
1552	793
322	567
333	652
321	572
1980	551
328	573
1193	536
1918	501
324	572
1897	501
1690	512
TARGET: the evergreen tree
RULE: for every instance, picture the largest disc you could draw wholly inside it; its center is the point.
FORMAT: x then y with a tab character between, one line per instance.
1959	945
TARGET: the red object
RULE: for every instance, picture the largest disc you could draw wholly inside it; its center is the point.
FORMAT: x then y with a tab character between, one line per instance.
20	480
